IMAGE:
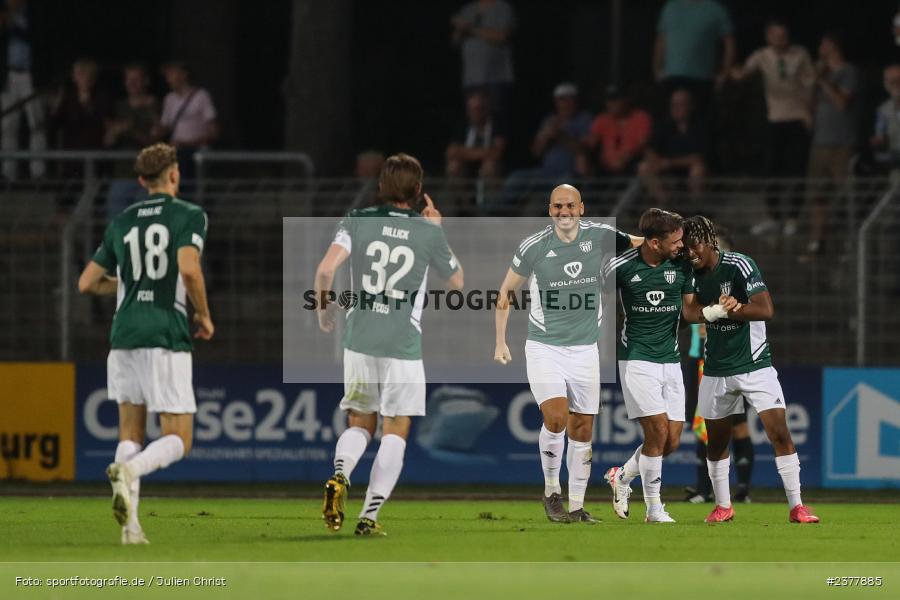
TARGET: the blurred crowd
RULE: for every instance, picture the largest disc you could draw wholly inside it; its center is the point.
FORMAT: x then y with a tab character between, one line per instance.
815	128
695	123
83	114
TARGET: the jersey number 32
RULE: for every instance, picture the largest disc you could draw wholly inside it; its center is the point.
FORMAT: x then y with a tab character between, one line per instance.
384	255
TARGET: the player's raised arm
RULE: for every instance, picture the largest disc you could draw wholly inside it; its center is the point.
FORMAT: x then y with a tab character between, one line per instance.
511	283
94	280
336	255
456	281
195	285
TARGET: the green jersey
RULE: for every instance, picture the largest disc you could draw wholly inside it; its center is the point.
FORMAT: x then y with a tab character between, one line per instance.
564	281
141	247
651	299
391	250
733	347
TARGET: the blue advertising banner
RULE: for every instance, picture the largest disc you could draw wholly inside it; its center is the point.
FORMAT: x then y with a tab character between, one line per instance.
251	427
861	425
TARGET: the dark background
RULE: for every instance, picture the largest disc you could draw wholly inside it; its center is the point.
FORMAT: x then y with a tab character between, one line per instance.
403	73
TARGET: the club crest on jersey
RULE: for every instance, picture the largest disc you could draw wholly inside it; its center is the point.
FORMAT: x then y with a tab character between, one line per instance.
670	276
655	297
586	246
726	288
572	269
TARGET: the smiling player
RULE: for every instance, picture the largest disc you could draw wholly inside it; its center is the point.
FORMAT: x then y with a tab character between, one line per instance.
738	365
563	263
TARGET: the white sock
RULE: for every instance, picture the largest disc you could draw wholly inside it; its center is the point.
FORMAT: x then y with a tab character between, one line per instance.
349	449
551	446
385	473
125	451
578	463
651	479
789	469
157	455
631	469
718	475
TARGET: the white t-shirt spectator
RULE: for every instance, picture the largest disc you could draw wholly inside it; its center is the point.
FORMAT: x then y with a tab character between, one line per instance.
788	80
193	122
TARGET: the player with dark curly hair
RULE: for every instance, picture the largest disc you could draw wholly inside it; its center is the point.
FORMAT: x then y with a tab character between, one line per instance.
738	364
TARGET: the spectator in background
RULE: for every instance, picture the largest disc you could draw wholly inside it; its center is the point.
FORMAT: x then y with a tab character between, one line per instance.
686	54
897	28
835	136
677	148
131	128
368	168
188	118
80	112
621	132
477	147
483	30
17	86
136	116
558	144
886	141
788	77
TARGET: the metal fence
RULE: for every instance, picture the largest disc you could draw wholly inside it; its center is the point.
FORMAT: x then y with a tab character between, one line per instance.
835	307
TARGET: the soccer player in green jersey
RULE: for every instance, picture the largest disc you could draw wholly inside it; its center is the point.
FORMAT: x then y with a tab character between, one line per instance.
738	364
391	248
655	284
562	263
150	258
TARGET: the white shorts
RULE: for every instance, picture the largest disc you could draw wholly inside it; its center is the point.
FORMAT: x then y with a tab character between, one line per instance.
720	397
155	377
571	372
391	386
652	388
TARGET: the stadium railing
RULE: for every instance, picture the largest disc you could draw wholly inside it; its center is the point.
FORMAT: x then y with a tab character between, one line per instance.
833	308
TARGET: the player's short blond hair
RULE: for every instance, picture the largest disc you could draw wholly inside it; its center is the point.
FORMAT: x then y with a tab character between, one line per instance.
154	161
400	179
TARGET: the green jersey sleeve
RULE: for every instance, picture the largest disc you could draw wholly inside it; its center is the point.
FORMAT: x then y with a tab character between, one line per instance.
343	236
524	258
689	285
194	231
623	242
751	276
105	256
442	259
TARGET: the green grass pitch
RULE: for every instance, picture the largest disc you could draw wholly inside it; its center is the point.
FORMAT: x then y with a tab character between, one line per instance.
279	548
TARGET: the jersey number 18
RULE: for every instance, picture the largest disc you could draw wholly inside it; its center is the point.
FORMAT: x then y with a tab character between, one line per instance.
155	259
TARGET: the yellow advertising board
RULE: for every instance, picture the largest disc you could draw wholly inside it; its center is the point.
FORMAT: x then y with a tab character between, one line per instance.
37	421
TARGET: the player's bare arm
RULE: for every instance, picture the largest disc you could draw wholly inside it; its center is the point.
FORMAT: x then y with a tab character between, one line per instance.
691	309
511	283
94	280
432	214
195	285
333	259
456	281
758	308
